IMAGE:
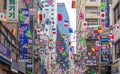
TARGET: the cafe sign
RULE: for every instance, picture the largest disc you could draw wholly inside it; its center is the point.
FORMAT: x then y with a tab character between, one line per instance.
12	10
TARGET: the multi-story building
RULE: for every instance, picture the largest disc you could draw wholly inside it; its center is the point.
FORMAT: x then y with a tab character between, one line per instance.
88	20
9	42
115	21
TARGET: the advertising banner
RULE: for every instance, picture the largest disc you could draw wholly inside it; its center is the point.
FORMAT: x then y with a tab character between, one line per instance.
105	50
23	57
12	10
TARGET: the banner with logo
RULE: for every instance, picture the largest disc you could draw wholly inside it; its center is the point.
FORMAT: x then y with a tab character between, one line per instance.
12	10
23	56
105	50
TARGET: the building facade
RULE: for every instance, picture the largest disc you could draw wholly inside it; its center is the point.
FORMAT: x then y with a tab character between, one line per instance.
9	43
115	21
88	19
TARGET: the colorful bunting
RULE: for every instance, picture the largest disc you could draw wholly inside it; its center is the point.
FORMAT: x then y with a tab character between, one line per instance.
21	17
58	42
47	21
50	2
53	31
59	17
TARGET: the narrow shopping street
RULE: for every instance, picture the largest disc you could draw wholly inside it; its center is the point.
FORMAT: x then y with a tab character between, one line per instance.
59	36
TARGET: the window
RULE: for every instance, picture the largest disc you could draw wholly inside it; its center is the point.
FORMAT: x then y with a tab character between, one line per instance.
117	49
5	4
91	10
116	13
92	22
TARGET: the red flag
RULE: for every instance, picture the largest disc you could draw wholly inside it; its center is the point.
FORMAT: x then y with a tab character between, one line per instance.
27	1
59	17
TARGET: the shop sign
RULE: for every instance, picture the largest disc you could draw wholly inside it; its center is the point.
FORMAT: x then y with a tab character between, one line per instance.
5	52
105	50
12	10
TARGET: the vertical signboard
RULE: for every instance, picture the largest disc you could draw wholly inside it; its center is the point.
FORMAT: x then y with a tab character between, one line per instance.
106	20
12	10
105	50
23	56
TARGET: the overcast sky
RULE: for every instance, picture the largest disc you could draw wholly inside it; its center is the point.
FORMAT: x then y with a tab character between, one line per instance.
72	15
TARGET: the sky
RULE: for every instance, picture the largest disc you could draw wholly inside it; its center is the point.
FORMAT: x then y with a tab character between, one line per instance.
72	17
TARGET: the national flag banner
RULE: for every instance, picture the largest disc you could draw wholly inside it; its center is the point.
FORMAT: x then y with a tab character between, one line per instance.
27	1
103	15
39	17
74	4
65	23
59	17
81	16
63	35
50	2
53	30
38	31
103	25
103	5
13	31
85	24
95	36
47	21
58	42
70	30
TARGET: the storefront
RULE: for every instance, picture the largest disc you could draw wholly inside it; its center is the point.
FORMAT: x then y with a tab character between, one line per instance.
116	67
5	59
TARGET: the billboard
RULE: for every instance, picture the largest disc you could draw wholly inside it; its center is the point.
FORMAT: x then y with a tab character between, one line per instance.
105	50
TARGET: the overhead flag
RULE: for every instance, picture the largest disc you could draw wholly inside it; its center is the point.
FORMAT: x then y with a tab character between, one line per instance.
50	2
47	21
21	17
27	1
58	42
103	5
63	35
70	30
84	24
103	15
74	4
59	17
53	30
39	17
13	31
81	16
65	23
38	31
99	29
